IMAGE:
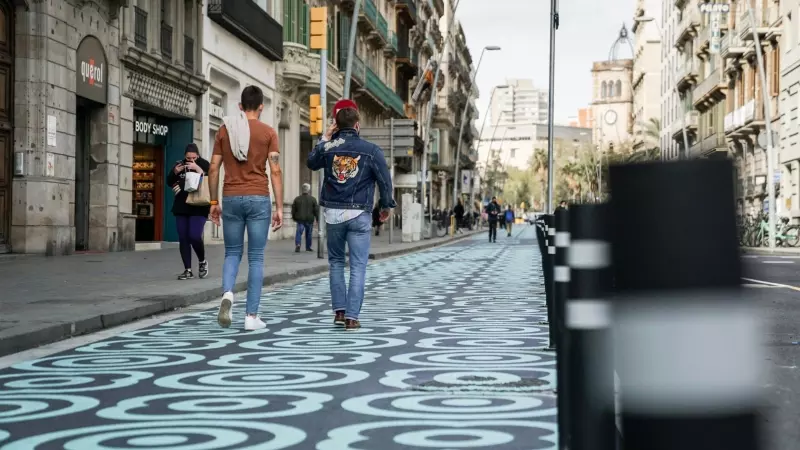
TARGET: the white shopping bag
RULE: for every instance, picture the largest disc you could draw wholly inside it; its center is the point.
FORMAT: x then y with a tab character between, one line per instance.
192	181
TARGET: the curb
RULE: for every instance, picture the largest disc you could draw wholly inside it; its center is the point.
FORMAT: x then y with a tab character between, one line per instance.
151	306
767	252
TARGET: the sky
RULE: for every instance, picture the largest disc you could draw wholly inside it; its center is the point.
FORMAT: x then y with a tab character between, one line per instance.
587	31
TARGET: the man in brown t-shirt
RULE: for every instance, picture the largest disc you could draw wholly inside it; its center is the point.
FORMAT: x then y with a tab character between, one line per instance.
244	145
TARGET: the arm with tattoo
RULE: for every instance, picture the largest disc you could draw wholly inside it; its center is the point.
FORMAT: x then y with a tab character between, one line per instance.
276	177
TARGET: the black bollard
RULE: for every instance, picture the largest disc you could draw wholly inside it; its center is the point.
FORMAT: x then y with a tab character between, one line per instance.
590	381
560	291
686	338
547	263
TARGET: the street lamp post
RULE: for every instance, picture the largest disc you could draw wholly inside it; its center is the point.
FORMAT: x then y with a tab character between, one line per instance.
457	166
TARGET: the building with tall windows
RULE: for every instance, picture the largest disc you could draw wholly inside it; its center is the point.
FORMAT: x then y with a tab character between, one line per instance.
520	101
789	108
111	93
612	103
646	73
744	120
671	16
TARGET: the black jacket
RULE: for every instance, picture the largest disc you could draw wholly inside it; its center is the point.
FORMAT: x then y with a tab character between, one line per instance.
180	208
459	210
305	209
493	211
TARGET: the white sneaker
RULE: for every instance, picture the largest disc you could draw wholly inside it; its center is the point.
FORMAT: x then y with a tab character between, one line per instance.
254	323
225	315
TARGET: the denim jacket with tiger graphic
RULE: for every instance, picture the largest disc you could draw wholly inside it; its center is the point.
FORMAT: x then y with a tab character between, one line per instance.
352	168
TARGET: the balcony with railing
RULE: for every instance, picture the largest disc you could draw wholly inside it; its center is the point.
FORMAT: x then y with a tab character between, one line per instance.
392	48
766	19
710	145
368	17
408	8
710	91
140	28
188	53
747	118
731	45
384	93
691	120
686	75
688	26
166	41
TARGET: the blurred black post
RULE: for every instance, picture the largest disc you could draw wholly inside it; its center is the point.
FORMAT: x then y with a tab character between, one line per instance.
686	339
590	382
547	262
561	278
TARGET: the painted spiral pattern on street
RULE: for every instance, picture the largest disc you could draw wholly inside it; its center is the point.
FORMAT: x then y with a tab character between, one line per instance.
451	354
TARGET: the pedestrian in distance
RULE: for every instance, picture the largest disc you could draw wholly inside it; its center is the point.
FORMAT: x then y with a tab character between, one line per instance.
244	145
376	219
352	167
562	205
501	217
305	211
458	211
509	218
493	213
189	219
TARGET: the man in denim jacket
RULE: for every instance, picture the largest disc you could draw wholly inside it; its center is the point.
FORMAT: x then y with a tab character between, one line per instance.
352	168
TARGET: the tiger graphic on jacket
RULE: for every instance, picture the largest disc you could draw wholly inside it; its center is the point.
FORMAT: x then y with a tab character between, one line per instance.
345	167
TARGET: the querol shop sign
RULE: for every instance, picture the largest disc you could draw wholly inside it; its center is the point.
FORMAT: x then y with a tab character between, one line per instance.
92	67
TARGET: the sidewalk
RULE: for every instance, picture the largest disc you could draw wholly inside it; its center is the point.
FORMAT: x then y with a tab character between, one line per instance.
46	299
766	250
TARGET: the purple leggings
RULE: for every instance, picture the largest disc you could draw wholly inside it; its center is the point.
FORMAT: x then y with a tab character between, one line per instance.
190	235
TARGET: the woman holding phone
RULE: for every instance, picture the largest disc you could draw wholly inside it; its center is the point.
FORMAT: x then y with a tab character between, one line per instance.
190	219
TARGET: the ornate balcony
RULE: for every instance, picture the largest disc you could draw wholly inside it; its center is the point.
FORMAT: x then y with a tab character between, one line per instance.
686	76
766	20
407	9
378	89
709	146
687	28
731	46
251	24
391	49
368	17
710	91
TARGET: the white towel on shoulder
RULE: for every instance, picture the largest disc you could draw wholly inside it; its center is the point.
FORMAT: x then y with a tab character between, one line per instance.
238	134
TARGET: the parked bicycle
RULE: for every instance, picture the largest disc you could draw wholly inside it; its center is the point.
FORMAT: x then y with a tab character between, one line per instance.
754	232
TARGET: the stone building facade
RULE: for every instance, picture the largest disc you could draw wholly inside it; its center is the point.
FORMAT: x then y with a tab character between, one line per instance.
63	193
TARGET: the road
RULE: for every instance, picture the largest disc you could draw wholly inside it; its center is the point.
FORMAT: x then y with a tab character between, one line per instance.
449	356
774	282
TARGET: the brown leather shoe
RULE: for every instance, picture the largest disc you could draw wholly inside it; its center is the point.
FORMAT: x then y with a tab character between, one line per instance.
339	318
351	325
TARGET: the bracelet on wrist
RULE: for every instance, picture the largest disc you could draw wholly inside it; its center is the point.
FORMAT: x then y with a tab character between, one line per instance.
213	203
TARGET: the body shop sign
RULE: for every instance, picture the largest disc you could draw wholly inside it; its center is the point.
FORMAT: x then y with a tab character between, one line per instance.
92	67
151	128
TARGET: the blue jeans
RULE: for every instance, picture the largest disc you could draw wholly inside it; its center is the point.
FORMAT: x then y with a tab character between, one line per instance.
309	228
253	213
356	233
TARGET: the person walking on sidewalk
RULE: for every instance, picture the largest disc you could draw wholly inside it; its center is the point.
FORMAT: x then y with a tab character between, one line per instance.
376	220
509	216
243	146
493	213
304	212
352	168
190	219
458	211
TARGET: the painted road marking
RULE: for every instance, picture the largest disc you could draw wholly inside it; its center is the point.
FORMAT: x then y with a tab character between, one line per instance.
762	286
778	262
768	283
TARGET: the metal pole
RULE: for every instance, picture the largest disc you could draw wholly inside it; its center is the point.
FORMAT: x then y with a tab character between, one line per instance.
461	129
351	48
551	100
323	99
589	377
429	119
560	293
391	168
768	123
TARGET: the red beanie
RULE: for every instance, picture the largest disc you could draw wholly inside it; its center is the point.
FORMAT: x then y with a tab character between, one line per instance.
344	104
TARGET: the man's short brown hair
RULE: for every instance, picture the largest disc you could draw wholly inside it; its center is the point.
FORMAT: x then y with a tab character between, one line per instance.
347	118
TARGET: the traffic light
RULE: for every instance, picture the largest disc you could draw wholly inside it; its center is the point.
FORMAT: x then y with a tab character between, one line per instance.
314	115
319	28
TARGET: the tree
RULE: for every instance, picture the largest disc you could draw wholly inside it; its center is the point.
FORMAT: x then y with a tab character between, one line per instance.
650	133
